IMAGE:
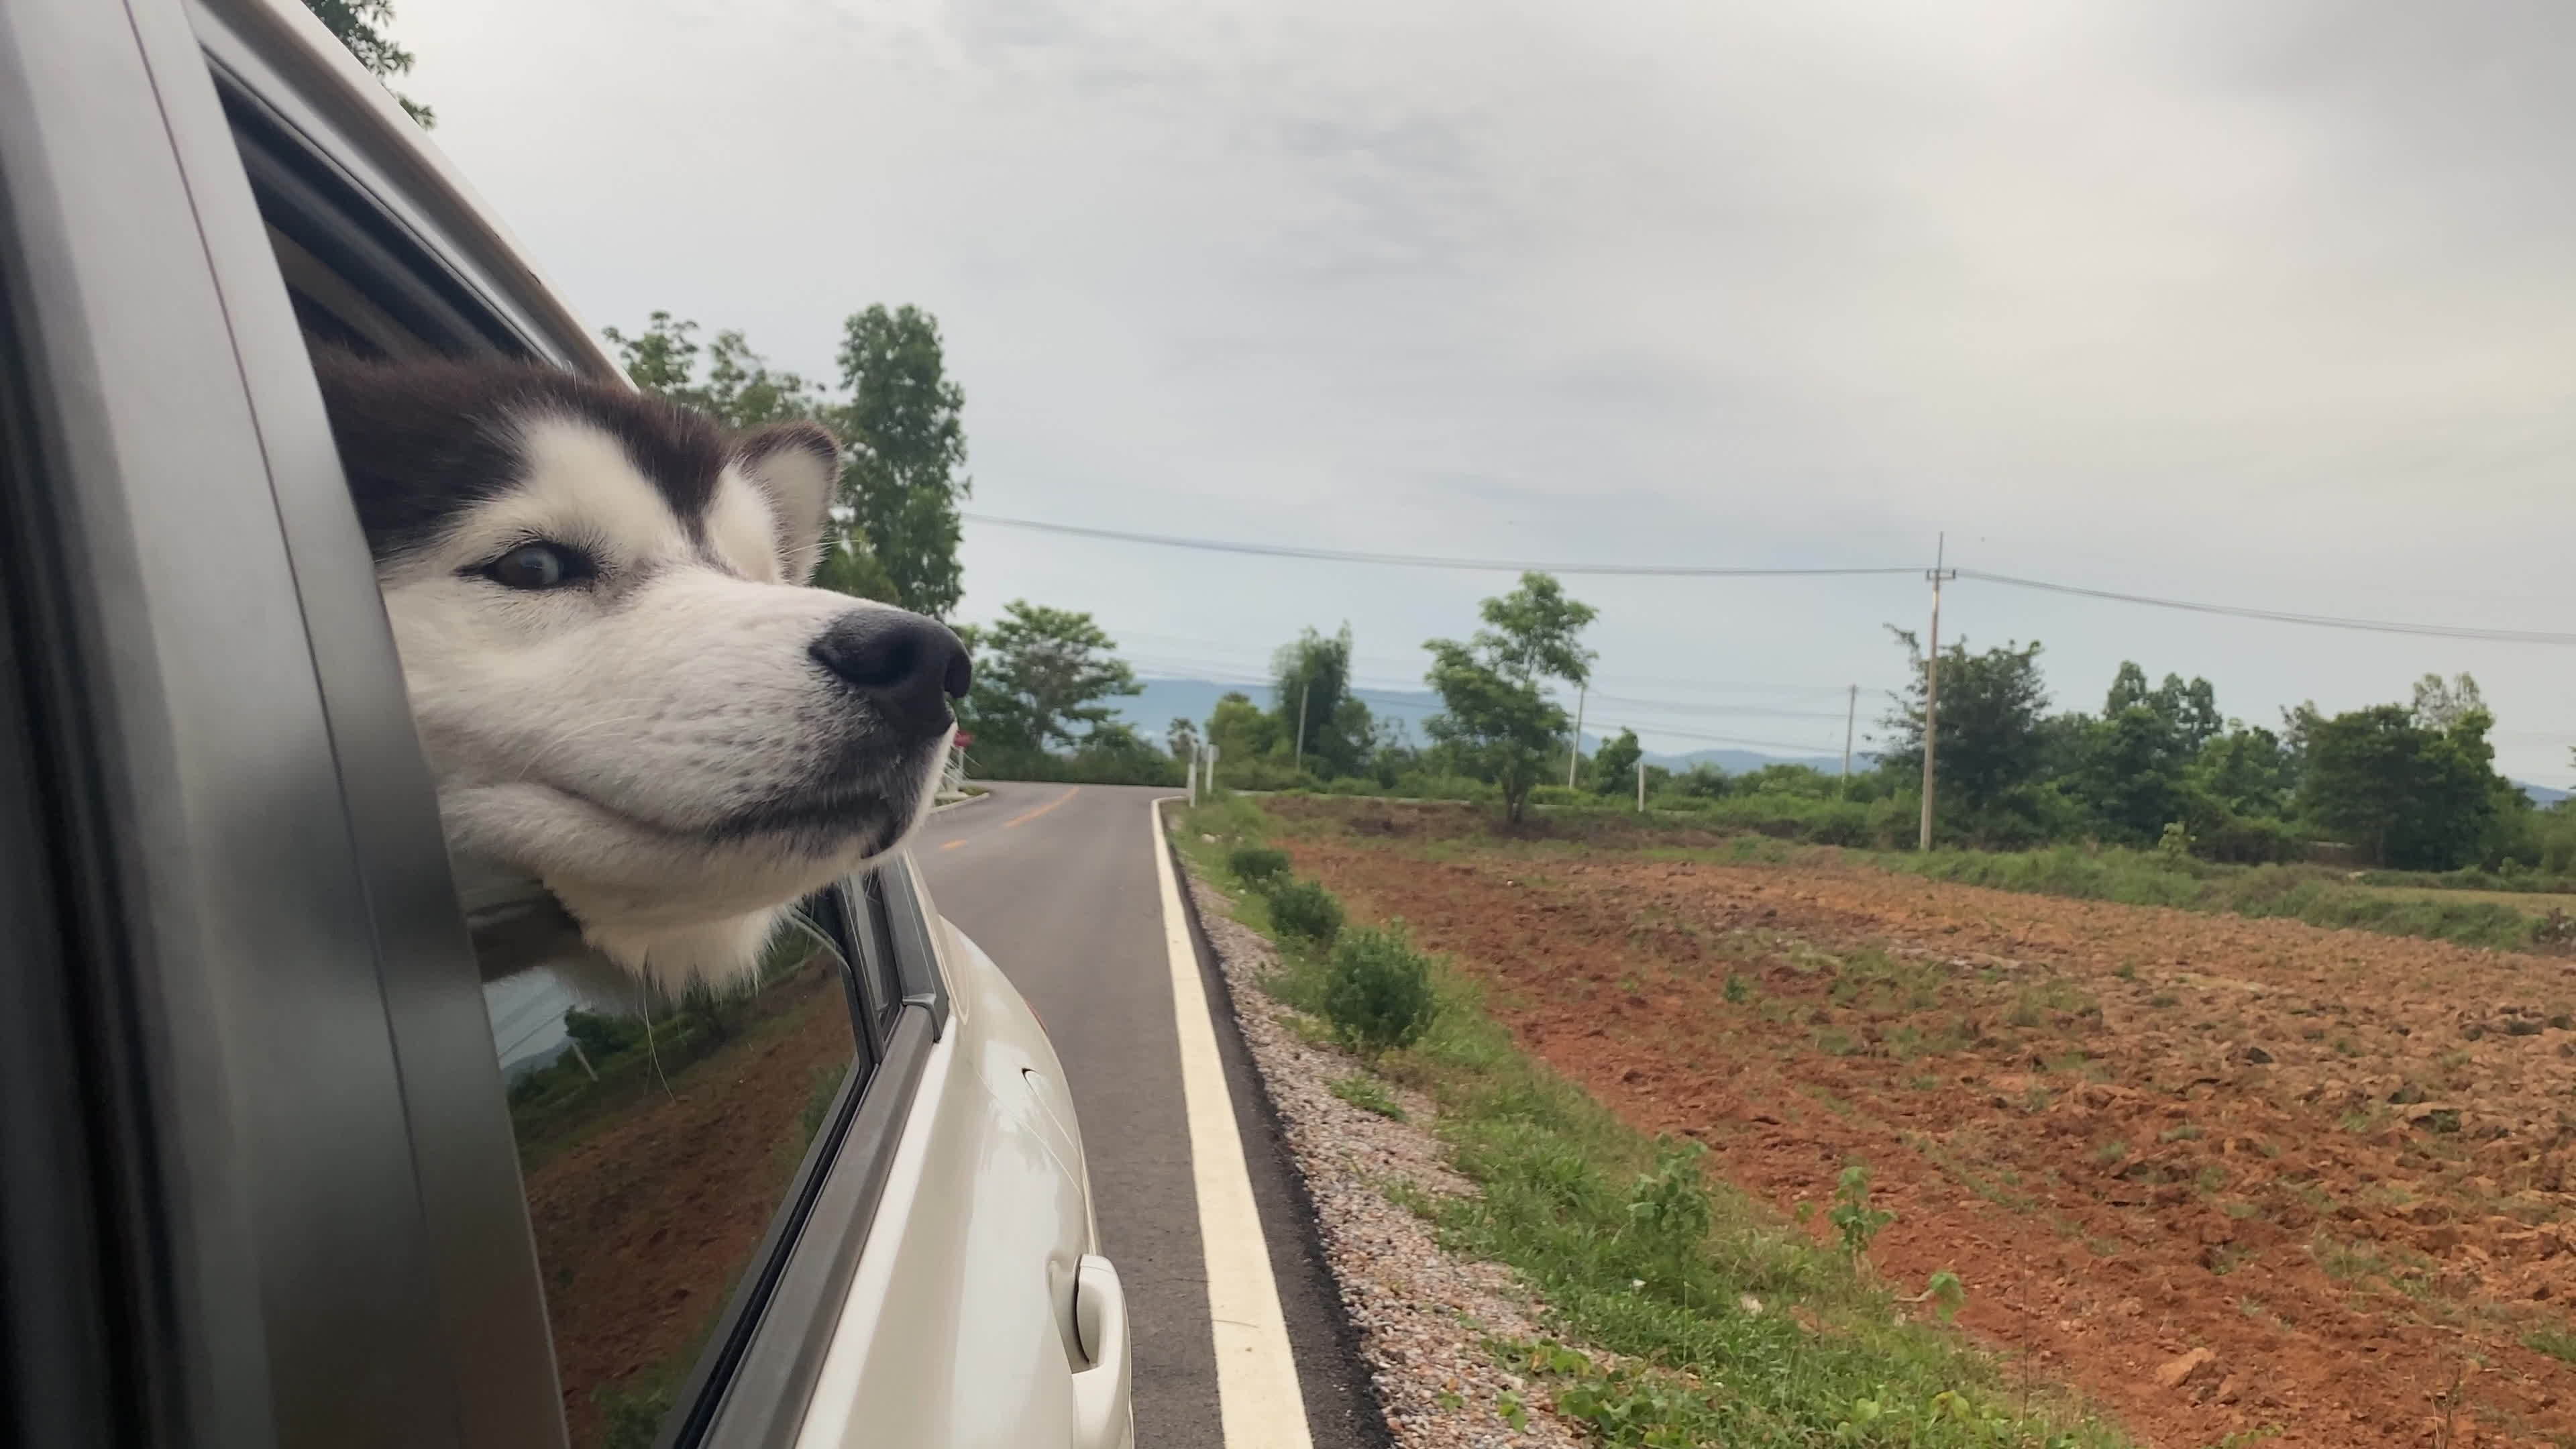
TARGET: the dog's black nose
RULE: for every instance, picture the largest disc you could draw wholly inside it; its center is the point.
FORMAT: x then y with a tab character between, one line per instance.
909	667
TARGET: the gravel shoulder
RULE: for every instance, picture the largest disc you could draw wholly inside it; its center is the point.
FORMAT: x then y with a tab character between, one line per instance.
1424	1315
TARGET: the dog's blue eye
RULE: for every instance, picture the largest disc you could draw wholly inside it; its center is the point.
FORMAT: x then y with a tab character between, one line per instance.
537	566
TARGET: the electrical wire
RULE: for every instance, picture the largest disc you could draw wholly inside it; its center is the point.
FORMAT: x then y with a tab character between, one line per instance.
2234	611
1412	560
2284	616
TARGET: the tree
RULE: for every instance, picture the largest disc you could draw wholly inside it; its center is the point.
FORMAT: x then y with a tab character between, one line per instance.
2441	705
1039	674
740	391
2194	711
1534	631
1992	740
1183	736
2128	689
1240	730
359	25
2404	793
2128	766
847	567
2190	710
1494	720
1615	768
1311	675
1115	749
906	440
2245	771
2132	776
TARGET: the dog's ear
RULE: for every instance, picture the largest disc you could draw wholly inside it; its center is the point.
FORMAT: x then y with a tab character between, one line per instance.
795	466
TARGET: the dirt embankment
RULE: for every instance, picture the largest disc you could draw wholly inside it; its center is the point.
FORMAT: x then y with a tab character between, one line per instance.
2220	1174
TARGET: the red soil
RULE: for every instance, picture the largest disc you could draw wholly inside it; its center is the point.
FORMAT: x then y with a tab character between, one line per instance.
2336	1161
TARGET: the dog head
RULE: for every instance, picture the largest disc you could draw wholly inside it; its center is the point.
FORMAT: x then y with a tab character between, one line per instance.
621	682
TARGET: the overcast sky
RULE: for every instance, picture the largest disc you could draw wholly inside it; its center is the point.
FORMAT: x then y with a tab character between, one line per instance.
2269	305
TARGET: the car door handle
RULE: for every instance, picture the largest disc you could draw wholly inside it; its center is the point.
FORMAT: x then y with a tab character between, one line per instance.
1103	1413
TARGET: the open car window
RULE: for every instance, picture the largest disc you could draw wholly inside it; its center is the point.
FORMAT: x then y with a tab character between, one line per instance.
672	1147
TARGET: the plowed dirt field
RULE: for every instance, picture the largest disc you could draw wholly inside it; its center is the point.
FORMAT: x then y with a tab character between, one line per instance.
2221	1175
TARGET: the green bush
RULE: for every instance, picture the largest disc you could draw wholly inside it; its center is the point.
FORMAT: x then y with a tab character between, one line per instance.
1305	912
1258	866
601	1037
2131	877
1794	817
2510	877
994	762
2246	840
1377	991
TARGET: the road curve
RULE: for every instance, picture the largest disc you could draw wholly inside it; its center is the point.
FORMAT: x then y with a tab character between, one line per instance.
1057	883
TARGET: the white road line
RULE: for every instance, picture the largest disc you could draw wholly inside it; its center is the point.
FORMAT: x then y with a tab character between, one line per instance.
1258	1402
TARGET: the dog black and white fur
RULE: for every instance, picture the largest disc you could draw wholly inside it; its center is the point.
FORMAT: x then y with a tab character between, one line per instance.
623	686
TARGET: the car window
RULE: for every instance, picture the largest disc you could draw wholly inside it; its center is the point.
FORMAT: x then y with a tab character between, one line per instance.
671	1144
659	1136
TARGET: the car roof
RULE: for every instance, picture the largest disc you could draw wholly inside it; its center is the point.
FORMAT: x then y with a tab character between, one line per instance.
285	57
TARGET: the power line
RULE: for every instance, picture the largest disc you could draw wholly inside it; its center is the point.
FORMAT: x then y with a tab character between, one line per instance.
2283	616
1400	560
1806	747
1393	695
1410	560
1693	707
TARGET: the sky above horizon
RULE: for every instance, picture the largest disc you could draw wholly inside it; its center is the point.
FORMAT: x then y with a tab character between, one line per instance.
2267	306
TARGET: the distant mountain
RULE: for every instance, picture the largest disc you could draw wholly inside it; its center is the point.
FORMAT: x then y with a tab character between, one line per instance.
1737	762
1153	711
1165	700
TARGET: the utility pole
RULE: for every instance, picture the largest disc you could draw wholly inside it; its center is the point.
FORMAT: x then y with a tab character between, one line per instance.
1851	717
1303	691
1574	756
1932	688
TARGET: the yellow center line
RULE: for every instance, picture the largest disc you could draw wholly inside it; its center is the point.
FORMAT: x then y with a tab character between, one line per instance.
951	844
1024	819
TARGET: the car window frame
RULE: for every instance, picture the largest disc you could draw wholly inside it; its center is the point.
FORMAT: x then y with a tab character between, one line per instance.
773	1328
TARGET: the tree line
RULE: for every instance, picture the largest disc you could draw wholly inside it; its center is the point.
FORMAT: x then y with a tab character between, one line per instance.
2410	784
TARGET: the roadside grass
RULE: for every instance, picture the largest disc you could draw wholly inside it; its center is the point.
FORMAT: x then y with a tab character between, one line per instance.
1715	1322
2558	1343
1369	1095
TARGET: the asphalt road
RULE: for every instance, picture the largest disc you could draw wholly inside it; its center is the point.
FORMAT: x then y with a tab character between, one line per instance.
1057	883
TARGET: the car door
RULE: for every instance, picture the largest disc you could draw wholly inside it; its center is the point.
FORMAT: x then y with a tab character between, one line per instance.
289	1217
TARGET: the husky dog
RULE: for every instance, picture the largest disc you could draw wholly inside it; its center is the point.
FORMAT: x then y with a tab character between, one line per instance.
621	682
